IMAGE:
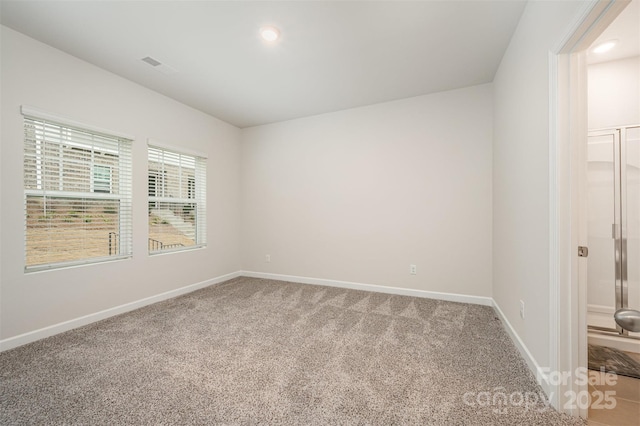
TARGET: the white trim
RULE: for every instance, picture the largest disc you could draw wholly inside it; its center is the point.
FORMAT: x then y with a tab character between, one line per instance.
154	143
47	116
604	129
172	200
556	235
176	250
601	309
581	31
539	372
42	333
71	194
567	325
32	336
451	297
564	341
620	343
44	267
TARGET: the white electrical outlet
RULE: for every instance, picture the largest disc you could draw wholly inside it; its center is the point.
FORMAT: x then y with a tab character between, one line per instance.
267	258
413	270
521	309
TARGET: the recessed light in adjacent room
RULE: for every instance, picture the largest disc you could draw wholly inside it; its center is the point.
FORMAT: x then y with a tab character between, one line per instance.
605	47
269	33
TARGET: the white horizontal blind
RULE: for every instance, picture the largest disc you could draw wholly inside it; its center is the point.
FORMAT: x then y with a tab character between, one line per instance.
177	200
77	186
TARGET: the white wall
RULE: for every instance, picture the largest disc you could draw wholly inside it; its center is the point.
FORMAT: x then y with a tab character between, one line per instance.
37	75
614	93
358	195
521	228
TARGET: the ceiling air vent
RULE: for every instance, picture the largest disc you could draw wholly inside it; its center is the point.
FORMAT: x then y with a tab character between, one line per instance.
163	68
151	61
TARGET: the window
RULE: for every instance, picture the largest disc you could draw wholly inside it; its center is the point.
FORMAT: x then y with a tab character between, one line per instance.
77	186
177	205
101	178
156	182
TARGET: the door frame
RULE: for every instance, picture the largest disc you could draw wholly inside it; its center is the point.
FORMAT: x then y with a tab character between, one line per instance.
567	199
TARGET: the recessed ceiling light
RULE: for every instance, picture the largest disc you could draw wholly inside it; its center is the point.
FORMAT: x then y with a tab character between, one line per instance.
269	33
605	47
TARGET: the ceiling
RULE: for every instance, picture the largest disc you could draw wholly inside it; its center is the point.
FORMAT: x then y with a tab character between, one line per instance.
626	29
332	55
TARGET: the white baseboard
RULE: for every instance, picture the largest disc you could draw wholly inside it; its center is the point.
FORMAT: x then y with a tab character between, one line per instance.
32	336
620	343
533	365
451	297
539	373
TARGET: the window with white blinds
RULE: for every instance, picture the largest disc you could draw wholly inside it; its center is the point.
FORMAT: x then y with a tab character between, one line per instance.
77	186
177	200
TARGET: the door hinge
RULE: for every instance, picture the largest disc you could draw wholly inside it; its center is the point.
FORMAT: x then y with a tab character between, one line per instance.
583	251
615	231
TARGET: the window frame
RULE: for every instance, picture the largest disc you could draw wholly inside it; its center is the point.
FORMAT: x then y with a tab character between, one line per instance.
194	188
40	188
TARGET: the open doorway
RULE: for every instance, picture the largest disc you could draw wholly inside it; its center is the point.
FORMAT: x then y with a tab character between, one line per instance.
612	282
569	199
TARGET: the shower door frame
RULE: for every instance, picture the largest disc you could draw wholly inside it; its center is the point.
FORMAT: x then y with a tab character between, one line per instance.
619	227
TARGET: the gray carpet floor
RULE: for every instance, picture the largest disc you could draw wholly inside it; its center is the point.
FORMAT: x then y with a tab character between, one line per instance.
251	351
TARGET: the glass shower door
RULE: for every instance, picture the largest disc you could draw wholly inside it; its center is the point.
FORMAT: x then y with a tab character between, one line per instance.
630	179
603	275
613	269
